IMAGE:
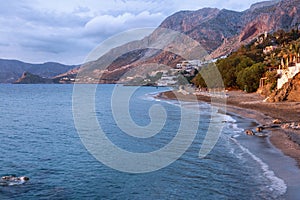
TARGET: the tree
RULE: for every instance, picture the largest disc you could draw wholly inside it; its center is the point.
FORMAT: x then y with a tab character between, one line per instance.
248	78
272	79
198	80
230	67
209	77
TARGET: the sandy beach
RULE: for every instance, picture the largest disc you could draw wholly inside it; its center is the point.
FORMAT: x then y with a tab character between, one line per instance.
286	141
251	105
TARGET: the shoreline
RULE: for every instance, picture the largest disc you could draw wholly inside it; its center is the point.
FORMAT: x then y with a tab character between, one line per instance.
286	142
252	106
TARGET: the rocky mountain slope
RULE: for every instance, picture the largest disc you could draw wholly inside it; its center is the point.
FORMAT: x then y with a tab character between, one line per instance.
11	70
218	31
289	92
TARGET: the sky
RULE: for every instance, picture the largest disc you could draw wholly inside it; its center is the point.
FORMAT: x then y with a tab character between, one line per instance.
66	31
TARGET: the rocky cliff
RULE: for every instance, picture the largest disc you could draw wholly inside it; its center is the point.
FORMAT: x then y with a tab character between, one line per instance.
210	27
262	17
219	32
289	92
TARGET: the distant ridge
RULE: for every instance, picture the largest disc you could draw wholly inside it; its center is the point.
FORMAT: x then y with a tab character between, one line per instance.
11	70
28	78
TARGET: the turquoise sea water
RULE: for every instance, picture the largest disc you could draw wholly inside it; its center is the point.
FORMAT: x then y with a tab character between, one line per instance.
39	140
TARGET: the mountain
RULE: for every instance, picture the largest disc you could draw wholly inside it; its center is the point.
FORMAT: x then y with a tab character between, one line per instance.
262	18
210	27
28	78
219	32
11	70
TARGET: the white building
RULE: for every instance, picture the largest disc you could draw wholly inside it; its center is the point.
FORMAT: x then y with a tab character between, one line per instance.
167	80
188	64
289	72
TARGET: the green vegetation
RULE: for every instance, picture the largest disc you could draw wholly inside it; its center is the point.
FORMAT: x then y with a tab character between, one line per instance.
272	79
244	68
248	78
230	68
155	78
207	77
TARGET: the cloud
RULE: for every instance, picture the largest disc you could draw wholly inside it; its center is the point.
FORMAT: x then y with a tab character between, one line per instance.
66	31
81	9
106	25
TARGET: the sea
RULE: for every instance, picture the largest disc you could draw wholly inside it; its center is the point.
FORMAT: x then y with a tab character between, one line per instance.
41	139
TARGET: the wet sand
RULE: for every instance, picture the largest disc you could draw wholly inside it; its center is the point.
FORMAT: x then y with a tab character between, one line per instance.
252	106
286	162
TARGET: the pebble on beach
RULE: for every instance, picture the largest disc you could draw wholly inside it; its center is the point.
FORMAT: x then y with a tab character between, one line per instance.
249	132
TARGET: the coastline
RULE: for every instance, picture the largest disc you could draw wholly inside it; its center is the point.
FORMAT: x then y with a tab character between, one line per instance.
285	141
252	106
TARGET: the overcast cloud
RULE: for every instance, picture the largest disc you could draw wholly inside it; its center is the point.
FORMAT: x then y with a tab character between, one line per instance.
66	31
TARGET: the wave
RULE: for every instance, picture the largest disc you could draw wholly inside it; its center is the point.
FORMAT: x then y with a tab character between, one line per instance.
278	186
12	183
200	105
232	130
232	127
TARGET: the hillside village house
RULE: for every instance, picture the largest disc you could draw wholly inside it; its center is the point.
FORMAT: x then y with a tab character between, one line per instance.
288	70
269	49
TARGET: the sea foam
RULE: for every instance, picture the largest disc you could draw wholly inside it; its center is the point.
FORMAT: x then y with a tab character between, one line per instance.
278	185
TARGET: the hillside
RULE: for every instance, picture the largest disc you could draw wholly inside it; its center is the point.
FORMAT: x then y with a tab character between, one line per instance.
11	70
28	78
219	32
261	58
289	92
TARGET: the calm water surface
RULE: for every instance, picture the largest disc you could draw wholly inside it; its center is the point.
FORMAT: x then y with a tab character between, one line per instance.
39	140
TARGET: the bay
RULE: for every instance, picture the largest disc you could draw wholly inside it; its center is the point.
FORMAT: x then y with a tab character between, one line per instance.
39	140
